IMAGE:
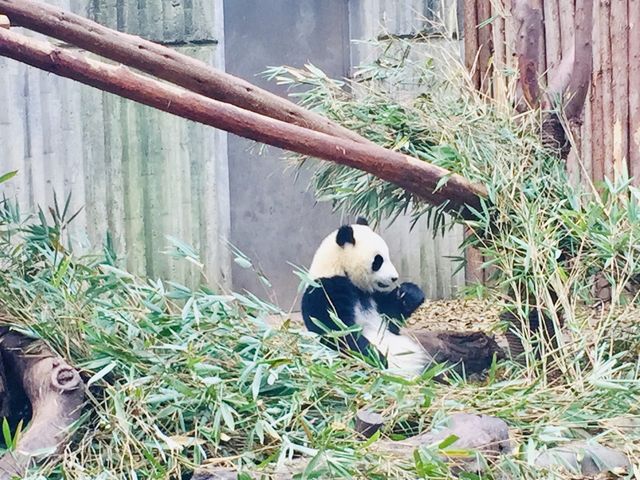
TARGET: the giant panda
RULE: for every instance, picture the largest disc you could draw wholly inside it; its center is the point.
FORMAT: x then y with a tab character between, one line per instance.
354	281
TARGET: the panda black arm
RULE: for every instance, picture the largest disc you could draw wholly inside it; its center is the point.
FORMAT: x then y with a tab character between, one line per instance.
400	303
336	297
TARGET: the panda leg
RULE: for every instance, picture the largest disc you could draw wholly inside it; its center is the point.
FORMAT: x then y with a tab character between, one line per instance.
405	356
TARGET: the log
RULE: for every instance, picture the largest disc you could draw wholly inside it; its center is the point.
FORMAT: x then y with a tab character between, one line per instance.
167	64
416	177
465	352
54	391
4	21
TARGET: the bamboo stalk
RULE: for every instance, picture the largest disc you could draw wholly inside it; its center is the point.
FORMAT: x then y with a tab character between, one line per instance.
415	176
167	64
634	90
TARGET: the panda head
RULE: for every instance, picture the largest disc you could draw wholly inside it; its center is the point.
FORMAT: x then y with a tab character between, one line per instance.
360	254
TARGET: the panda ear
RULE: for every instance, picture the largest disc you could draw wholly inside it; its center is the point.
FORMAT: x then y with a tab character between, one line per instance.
362	221
345	235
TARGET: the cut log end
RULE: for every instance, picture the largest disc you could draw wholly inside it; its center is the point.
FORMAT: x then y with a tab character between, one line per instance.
31	374
4	22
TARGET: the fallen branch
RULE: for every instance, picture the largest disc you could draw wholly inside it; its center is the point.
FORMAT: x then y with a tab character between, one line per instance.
167	64
416	177
54	390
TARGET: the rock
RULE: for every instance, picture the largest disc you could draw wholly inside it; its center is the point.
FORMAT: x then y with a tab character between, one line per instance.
214	473
480	433
585	457
368	422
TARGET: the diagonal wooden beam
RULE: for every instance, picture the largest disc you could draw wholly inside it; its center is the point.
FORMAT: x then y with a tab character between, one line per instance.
165	63
431	183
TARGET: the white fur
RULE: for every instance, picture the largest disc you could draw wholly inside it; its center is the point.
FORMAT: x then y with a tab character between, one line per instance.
354	261
405	356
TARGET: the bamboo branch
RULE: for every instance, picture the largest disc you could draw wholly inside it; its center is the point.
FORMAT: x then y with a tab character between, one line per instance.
167	64
416	177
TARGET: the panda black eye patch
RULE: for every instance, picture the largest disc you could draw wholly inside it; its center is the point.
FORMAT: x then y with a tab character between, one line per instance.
377	263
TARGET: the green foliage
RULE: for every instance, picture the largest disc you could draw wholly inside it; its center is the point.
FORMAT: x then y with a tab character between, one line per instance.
178	377
543	239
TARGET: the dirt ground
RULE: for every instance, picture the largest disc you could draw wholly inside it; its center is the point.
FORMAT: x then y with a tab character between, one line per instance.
463	315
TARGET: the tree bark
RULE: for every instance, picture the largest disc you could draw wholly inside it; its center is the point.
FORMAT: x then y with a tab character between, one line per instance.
416	177
634	90
471	41
620	87
166	64
529	36
55	393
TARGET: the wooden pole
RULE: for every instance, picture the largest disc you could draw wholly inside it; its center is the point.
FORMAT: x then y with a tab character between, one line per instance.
471	41
607	93
529	36
416	177
620	88
597	124
634	90
167	64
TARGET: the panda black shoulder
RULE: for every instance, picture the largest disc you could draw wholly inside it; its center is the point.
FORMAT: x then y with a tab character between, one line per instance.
332	295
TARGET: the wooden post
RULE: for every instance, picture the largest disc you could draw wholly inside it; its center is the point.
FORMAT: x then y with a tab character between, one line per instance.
634	90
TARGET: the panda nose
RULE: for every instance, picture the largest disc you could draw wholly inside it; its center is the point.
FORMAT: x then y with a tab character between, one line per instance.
394	279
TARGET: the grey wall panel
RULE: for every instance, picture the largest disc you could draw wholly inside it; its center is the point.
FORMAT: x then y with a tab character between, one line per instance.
273	219
166	21
136	172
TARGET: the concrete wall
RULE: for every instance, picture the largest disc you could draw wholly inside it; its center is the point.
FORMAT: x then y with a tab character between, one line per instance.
274	218
137	172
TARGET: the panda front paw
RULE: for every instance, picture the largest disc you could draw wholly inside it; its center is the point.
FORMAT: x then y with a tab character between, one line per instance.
411	297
